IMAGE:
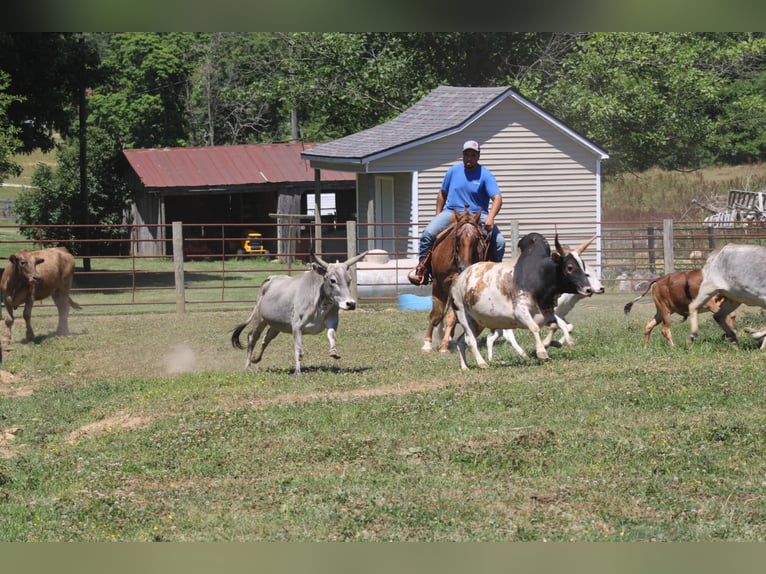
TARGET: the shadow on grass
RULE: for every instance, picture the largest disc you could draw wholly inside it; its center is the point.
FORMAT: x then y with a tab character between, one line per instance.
307	369
127	281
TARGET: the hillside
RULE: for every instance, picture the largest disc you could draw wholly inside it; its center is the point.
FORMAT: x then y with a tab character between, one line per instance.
656	194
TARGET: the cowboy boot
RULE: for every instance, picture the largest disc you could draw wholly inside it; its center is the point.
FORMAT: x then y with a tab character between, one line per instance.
421	275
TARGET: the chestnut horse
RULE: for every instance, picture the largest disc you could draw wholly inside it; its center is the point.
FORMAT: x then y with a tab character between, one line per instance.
462	243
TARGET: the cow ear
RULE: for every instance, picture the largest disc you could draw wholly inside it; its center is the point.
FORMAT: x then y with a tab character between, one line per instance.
318	268
556	256
13	259
38	260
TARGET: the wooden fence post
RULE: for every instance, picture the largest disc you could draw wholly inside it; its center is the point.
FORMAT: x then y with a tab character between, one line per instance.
667	246
178	266
351	252
514	238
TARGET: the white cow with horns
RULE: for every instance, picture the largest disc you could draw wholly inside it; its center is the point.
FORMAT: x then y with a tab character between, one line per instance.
301	304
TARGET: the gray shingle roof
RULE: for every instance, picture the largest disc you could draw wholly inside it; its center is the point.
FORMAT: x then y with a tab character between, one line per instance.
444	109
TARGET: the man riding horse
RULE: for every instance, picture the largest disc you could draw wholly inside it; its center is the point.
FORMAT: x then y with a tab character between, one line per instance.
470	184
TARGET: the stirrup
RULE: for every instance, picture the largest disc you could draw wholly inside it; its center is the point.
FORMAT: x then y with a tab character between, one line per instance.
417	277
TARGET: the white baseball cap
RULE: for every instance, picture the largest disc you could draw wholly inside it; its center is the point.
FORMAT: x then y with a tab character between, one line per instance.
471	144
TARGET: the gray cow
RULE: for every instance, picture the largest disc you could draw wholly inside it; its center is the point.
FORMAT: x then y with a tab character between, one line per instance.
301	304
738	272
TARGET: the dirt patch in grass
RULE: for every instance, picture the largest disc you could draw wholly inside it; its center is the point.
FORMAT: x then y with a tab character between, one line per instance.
8	386
119	422
7	436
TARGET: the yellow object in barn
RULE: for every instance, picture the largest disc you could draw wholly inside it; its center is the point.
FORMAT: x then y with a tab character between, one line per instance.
253	244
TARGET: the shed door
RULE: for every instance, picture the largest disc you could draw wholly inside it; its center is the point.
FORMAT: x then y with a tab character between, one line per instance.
384	213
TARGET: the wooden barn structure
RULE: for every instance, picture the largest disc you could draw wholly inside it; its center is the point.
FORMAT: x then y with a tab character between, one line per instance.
245	184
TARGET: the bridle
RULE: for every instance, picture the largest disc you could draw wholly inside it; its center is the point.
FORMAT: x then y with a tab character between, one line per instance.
482	239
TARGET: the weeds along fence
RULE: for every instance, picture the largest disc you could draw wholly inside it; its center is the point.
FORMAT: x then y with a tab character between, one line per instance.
210	267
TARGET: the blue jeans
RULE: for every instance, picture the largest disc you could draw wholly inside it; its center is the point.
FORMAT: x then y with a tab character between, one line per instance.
441	221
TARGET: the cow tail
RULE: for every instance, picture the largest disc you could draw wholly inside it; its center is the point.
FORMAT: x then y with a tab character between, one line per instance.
239	328
629	304
74	304
235	335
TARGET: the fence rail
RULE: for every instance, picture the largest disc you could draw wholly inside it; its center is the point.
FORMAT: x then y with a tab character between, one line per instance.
206	266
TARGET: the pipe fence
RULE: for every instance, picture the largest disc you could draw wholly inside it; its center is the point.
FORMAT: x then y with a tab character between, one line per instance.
219	265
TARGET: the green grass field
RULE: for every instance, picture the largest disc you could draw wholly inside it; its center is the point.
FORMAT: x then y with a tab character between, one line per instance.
144	427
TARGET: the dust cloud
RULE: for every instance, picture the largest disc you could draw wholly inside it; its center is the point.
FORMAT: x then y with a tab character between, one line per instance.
180	360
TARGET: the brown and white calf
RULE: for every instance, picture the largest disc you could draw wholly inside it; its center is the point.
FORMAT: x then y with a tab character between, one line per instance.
672	293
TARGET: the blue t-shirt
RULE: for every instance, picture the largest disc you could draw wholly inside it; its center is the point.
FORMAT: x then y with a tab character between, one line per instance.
475	188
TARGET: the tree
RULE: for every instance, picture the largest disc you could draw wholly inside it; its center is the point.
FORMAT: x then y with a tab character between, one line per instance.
9	134
650	99
141	101
47	71
54	199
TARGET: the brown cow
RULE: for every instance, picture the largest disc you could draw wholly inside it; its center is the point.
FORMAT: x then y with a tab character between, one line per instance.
672	293
34	275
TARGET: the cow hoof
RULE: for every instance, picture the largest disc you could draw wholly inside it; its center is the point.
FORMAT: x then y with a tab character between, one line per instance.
426	348
334	354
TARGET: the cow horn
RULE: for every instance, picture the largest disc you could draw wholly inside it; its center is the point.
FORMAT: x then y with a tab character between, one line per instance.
354	259
319	260
579	249
559	248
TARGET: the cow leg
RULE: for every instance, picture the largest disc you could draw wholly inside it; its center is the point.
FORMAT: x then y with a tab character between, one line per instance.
509	336
252	339
298	344
62	304
28	319
9	321
665	328
469	337
491	338
469	326
706	292
526	319
650	325
723	314
566	329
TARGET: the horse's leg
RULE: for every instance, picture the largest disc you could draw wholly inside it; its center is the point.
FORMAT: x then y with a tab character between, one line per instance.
449	326
434	318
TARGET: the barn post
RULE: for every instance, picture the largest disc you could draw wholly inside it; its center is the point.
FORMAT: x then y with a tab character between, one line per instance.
667	245
318	210
351	252
178	266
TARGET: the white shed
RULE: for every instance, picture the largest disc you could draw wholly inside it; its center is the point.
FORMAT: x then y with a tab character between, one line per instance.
550	176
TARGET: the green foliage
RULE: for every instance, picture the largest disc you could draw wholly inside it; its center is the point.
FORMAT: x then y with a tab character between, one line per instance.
650	99
141	103
676	101
9	133
56	199
48	72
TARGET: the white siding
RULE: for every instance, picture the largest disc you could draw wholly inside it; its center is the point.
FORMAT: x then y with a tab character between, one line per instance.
547	178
